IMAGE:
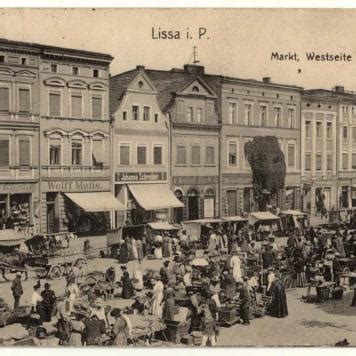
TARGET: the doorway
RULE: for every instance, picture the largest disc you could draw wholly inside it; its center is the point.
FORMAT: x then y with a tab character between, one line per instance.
193	204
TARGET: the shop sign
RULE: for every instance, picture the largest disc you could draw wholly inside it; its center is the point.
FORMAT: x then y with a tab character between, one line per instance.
76	186
140	176
16	187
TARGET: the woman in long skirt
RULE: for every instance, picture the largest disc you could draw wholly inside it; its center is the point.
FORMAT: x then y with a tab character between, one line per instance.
139	247
158	251
279	308
127	287
134	249
165	247
123	256
157	308
300	269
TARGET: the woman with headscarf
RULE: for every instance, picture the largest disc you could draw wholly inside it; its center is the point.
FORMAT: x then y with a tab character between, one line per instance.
166	246
123	256
279	308
158	251
139	247
121	329
157	298
127	287
169	305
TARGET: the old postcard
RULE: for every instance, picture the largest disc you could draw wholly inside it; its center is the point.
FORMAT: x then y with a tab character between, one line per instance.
177	177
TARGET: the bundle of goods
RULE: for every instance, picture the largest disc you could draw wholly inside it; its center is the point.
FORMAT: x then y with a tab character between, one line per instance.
5	312
145	325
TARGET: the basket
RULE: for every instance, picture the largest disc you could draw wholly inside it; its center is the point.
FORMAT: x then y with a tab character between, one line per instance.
227	314
176	330
197	338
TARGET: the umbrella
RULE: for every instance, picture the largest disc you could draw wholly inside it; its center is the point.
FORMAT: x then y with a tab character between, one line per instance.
199	262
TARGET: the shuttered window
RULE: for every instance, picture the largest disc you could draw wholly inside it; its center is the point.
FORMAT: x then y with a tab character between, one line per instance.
181	157
4	152
24	151
96	107
196	155
55	152
157	155
210	156
231	200
76	153
54	104
4	99
76	105
24	100
98	152
124	154
291	156
141	155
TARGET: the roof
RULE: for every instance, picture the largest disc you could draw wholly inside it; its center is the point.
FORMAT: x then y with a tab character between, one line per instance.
54	50
203	221
163	225
329	94
234	218
261	215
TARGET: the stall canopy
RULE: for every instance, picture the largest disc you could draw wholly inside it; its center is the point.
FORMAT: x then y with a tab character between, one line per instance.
96	201
234	218
293	212
10	237
154	196
261	216
162	226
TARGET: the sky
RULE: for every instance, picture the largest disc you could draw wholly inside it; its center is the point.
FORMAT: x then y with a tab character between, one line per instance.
238	42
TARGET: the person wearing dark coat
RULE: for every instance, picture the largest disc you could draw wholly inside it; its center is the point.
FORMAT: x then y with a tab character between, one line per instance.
127	287
49	300
17	290
123	257
165	246
245	303
164	272
279	307
267	257
169	307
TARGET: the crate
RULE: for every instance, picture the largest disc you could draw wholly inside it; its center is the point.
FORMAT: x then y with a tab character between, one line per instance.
176	330
227	314
187	340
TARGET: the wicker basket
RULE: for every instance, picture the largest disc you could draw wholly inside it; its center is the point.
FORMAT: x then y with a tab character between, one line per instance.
176	330
227	314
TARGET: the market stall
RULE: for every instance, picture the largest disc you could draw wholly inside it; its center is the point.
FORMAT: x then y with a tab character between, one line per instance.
264	223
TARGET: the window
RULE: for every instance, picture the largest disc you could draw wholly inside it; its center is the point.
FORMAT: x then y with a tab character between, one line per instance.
76	153
55	152
263	116
307	129
232	153
318	129
345	109
54	68
2	58
96	73
199	115
96	107
157	154
354	134
135	112
344	133
291	118
23	61
4	99
181	155
124	154
189	114
329	162
329	130
76	105
124	116
353	162
291	156
75	70
54	104
318	162
248	114
24	151
232	114
195	160
24	100
195	89
156	118
141	155
4	152
277	116
146	113
210	156
97	152
345	162
307	161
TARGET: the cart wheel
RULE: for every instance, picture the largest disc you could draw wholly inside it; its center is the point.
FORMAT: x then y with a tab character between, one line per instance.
41	273
81	263
55	272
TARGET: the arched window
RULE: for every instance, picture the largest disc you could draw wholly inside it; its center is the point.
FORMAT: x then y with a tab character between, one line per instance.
178	212
195	89
209	203
192	193
193	204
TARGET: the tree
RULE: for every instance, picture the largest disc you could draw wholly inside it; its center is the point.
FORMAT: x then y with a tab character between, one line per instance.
268	167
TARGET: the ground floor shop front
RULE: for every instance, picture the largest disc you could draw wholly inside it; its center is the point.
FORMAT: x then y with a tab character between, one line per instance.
237	195
19	205
81	206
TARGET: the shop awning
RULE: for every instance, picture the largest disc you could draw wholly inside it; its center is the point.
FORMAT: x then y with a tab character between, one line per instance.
154	196
96	201
234	218
261	215
162	225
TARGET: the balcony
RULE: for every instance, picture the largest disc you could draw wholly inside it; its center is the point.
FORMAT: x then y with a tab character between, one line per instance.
98	171
19	172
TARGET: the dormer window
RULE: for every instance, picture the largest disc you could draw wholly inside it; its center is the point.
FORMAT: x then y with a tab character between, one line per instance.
96	73
23	61
140	84
195	89
54	68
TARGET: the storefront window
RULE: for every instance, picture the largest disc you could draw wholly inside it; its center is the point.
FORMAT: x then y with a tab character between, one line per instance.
209	204
20	211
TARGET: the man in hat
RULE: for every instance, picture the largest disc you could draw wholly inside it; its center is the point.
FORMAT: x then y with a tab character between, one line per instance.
94	329
49	300
17	290
164	272
245	302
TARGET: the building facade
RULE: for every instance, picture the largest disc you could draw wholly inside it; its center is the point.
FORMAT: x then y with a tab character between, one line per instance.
252	108
141	149
75	138
189	98
19	135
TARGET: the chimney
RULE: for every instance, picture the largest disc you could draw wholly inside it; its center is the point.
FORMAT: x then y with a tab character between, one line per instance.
140	67
266	79
339	89
193	69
